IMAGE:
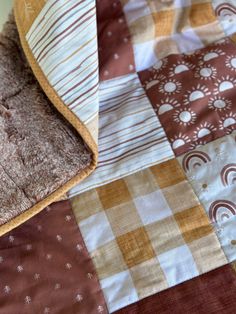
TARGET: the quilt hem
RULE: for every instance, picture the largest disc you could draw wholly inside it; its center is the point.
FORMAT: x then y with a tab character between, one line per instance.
72	119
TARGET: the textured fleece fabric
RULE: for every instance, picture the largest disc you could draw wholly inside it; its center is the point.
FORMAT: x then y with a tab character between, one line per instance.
39	150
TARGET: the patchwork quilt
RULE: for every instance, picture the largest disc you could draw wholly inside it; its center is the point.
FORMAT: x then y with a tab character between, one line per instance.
118	157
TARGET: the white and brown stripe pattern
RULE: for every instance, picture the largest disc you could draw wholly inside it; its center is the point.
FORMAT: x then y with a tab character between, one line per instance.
130	135
63	40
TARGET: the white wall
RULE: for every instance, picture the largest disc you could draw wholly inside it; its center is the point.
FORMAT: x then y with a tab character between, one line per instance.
5	7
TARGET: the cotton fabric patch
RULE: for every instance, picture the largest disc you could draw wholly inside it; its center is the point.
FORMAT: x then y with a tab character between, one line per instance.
211	170
45	267
131	137
140	247
194	94
160	28
115	51
209	293
63	41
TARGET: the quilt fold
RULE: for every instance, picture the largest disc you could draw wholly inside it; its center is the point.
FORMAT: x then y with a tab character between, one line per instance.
42	154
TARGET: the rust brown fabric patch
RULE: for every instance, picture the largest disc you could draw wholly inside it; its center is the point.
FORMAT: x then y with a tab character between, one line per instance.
114	41
194	94
45	267
213	292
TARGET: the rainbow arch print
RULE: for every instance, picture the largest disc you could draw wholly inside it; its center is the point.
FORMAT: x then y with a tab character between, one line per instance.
221	209
228	173
225	9
197	158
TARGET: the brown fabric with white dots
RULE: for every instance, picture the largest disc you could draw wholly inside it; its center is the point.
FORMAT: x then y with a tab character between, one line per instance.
45	267
115	49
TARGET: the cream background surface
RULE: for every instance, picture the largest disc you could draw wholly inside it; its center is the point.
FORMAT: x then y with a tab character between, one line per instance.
5	7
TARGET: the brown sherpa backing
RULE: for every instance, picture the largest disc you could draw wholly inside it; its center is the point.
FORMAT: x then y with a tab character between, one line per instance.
39	150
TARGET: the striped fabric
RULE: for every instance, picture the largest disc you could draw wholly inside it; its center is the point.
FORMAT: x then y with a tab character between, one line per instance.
63	40
130	135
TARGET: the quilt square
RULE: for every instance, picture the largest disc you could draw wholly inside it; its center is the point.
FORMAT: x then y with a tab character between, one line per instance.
101	233
165	235
167	27
211	169
46	268
132	244
119	290
168	174
87	205
205	249
160	229
178	265
193	95
187	40
113	32
123	218
104	257
131	137
164	21
152	207
193	223
114	194
141	183
201	14
144	278
180	197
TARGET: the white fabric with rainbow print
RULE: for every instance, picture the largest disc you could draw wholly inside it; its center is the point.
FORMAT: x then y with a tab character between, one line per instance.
211	170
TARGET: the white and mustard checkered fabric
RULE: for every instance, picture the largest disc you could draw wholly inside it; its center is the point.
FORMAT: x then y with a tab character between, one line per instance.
159	28
145	233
